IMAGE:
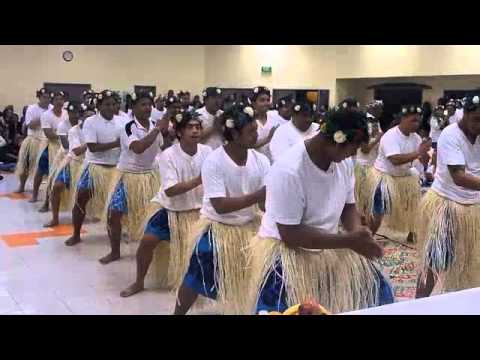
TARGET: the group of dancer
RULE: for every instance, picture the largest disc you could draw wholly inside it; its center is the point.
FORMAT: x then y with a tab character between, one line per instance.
254	208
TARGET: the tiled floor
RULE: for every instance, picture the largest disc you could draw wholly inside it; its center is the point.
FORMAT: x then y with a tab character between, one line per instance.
51	278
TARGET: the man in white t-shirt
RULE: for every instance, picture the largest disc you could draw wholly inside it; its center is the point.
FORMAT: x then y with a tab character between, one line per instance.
212	132
136	180
176	207
233	178
118	111
49	121
266	124
299	129
283	110
173	108
450	112
30	147
102	136
300	254
158	111
391	185
61	177
449	233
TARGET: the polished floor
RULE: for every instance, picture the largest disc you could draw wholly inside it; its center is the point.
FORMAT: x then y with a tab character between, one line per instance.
40	275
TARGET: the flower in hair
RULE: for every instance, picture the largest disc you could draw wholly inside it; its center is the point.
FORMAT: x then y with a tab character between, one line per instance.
345	105
404	110
283	102
71	107
171	100
476	100
230	123
219	91
314	107
249	111
133	96
179	117
108	93
339	137
255	91
100	97
419	110
150	94
297	108
83	106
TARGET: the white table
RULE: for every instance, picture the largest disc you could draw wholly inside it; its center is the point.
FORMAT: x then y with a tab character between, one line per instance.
465	302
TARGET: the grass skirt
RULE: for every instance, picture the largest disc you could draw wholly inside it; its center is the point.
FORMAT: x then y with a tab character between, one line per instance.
340	280
402	197
67	198
230	255
55	168
140	188
449	239
27	156
361	196
101	179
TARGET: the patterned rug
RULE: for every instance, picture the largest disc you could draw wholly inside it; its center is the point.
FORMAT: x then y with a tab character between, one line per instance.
399	262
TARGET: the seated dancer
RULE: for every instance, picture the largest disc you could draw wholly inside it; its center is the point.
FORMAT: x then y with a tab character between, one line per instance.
102	136
233	183
392	186
136	181
283	110
29	150
68	172
449	233
299	253
176	207
50	143
300	128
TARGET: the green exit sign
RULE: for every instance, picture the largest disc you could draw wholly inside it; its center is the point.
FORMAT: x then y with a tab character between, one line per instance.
266	69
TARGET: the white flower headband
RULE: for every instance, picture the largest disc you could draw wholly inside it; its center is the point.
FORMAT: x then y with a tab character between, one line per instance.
230	123
476	100
249	111
179	118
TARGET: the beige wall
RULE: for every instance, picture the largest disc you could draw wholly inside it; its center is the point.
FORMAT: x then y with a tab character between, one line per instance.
357	87
24	69
293	66
364	61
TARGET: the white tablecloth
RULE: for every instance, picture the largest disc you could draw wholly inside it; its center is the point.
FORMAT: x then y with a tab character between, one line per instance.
465	302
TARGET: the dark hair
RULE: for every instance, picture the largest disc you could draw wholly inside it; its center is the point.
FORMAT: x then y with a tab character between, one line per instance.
137	96
353	124
304	106
240	114
182	119
61	93
171	100
411	110
105	94
349	103
41	92
285	101
472	103
260	90
75	106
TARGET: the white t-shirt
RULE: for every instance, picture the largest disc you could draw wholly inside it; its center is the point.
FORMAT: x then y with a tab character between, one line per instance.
298	192
129	161
157	114
263	131
288	135
215	140
280	120
64	127
434	129
454	148
177	166
51	121
367	159
75	140
34	112
222	177
394	142
97	129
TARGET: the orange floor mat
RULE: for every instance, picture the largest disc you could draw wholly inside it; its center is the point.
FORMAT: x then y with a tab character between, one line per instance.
30	238
16	196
